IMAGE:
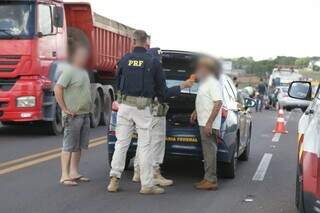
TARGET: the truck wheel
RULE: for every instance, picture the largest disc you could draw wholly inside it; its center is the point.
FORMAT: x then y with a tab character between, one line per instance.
245	155
96	115
229	169
106	111
56	126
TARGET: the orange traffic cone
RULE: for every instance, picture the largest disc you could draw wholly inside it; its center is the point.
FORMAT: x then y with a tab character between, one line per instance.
280	125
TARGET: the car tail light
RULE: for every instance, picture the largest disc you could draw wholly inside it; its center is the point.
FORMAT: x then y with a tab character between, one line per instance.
115	106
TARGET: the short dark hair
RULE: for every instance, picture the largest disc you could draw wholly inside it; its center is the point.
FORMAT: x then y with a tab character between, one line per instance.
140	36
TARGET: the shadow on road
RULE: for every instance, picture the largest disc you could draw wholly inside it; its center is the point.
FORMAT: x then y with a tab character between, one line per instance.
23	129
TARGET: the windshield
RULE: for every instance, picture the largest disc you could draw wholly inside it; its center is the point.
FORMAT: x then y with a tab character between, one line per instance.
17	19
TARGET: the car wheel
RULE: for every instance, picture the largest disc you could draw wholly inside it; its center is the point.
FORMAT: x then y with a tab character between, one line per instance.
229	169
245	155
301	200
299	193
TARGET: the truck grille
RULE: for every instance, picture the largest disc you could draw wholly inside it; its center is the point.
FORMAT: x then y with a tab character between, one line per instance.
8	63
7	84
3	104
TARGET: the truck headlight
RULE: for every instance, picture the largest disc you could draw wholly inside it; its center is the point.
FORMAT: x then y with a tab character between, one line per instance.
26	101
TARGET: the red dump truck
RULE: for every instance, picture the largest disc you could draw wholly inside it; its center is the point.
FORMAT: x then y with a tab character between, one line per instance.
33	39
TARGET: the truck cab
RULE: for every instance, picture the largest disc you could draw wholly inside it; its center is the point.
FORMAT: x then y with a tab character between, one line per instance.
32	37
33	40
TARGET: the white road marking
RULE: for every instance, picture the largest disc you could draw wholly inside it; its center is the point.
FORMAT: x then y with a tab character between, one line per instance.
276	137
263	167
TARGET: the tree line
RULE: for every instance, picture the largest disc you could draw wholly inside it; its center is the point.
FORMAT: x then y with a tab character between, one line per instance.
263	67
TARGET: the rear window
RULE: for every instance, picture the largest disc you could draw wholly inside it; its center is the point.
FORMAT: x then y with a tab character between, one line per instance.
178	66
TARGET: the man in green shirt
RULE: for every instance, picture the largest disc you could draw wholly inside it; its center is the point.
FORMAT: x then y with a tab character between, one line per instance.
73	95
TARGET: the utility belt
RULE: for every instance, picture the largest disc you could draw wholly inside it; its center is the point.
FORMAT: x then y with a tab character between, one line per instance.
159	109
139	102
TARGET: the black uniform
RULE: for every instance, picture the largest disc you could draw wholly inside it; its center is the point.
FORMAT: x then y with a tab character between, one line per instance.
141	75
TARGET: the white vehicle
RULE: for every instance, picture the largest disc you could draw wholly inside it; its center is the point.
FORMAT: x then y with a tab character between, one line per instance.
308	176
283	77
289	103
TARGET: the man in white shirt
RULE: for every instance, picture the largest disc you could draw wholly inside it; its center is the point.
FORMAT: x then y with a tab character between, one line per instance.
208	114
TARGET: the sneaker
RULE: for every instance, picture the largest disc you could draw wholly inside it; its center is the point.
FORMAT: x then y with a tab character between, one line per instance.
207	185
160	180
154	190
136	176
114	184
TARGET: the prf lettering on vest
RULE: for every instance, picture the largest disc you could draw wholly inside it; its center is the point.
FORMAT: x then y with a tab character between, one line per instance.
135	63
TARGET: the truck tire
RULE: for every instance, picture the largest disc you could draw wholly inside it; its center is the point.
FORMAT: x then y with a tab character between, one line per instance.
56	126
96	114
229	169
106	111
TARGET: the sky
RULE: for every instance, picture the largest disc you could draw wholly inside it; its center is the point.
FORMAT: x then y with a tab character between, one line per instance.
224	28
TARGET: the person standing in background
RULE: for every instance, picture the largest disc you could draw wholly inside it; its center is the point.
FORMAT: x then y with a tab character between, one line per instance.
261	89
208	114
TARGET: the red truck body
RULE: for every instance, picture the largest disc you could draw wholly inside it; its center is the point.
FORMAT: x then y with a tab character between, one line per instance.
26	61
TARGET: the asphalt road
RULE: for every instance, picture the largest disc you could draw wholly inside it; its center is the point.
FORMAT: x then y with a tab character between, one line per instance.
34	188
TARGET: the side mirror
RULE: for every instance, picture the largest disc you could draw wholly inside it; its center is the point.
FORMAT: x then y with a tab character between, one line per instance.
58	16
249	103
300	90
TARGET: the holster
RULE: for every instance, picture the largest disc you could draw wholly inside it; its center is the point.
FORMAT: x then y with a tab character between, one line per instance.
160	109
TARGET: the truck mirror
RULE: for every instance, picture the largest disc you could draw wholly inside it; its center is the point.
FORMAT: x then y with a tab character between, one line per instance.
58	16
300	90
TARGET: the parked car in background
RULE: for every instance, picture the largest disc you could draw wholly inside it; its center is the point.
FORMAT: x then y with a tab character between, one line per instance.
289	103
183	138
308	164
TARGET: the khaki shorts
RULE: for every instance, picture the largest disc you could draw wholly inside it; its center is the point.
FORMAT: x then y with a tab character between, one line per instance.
76	133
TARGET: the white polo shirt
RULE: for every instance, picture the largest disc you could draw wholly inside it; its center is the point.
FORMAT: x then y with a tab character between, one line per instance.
209	91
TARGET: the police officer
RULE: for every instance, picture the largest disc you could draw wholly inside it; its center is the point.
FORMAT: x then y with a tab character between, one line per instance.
139	79
158	134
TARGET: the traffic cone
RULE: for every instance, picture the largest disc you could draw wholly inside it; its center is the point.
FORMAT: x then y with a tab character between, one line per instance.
281	112
280	125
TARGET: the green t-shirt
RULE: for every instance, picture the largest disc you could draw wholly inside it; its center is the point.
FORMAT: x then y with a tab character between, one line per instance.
76	92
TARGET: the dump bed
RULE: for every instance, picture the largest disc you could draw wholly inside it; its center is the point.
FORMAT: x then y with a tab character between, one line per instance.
109	40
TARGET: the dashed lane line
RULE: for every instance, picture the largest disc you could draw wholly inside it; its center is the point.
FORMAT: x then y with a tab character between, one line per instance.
276	137
263	167
31	160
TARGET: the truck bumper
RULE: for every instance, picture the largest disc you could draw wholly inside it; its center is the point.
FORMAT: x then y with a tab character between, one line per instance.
8	102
